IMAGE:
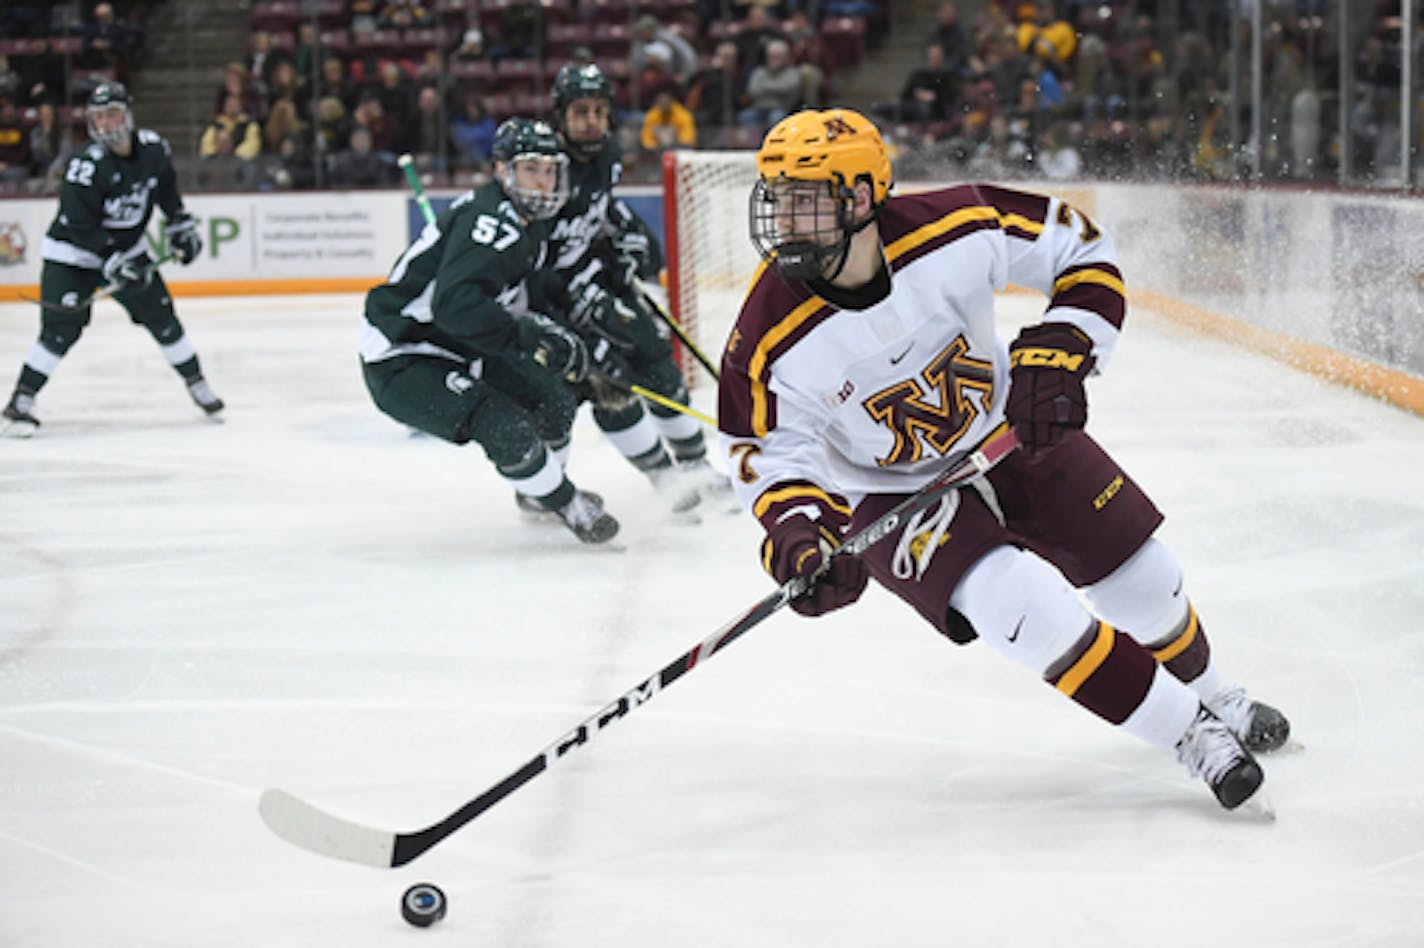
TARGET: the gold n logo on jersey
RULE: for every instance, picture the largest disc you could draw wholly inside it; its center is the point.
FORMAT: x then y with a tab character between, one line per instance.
939	423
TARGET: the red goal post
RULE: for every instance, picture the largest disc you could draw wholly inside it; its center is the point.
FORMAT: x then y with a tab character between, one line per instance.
710	258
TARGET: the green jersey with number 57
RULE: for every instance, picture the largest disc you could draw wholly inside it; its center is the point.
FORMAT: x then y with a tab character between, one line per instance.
105	201
451	292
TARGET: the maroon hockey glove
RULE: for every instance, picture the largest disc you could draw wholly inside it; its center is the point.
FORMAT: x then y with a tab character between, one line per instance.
1046	396
798	547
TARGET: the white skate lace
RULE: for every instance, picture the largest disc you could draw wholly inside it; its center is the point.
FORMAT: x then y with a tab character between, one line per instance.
927	529
1233	707
1208	749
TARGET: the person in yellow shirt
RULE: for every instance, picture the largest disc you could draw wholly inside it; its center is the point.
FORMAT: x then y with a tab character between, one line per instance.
246	133
668	124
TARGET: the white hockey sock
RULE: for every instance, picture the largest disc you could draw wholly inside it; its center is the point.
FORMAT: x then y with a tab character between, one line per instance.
543	481
636	440
1164	715
678	427
42	360
178	351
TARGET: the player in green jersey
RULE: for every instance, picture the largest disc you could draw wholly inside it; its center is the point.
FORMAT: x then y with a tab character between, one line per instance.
97	239
454	346
601	249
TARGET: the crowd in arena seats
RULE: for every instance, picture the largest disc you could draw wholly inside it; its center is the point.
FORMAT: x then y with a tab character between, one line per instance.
434	79
1121	88
329	92
52	55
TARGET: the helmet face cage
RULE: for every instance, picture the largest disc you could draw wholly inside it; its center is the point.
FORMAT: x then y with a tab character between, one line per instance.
533	202
109	98
803	228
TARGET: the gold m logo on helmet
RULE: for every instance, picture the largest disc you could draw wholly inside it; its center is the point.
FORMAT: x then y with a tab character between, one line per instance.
837	126
1047	359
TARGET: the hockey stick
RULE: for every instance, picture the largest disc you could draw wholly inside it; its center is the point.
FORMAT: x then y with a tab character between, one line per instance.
102	293
629	388
313	829
407	165
675	327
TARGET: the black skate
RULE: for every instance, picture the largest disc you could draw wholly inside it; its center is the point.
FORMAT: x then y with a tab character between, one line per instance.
585	516
204	397
1261	727
17	419
1212	751
530	506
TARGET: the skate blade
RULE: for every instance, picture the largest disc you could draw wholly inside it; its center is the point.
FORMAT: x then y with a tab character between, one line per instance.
1291	746
1257	808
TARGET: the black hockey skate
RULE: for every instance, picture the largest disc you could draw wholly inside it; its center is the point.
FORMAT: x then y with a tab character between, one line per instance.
1212	751
585	516
17	419
1261	727
204	396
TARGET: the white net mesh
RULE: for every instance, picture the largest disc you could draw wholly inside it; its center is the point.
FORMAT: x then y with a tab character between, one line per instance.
713	260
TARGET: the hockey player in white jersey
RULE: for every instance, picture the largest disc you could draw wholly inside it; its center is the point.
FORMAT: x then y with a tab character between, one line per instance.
865	363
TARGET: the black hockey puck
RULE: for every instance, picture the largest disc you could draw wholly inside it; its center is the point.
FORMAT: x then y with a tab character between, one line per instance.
423	905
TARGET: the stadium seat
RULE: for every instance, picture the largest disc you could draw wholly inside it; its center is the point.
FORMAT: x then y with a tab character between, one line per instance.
276	16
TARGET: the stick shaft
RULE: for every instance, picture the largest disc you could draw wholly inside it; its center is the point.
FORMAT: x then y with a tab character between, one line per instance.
310	828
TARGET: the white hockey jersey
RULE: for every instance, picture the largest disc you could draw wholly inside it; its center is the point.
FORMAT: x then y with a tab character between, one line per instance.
820	404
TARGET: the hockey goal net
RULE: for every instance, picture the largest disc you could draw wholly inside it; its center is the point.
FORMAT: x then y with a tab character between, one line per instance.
710	258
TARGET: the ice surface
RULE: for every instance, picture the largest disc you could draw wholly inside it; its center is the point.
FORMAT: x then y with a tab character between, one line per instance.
306	597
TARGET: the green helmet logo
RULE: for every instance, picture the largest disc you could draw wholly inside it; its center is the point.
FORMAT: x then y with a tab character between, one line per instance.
521	136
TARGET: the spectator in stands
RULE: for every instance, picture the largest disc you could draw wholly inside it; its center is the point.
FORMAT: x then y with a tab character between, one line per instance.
286	85
774	89
949	36
51	145
260	60
289	168
403	15
1057	157
15	154
650	37
10	80
360	166
371	115
397	97
472	46
716	93
651	78
1041	33
282	123
309	50
473	135
108	43
220	169
236	81
335	81
1000	155
516	32
243	132
753	36
931	90
667	124
332	128
430	145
